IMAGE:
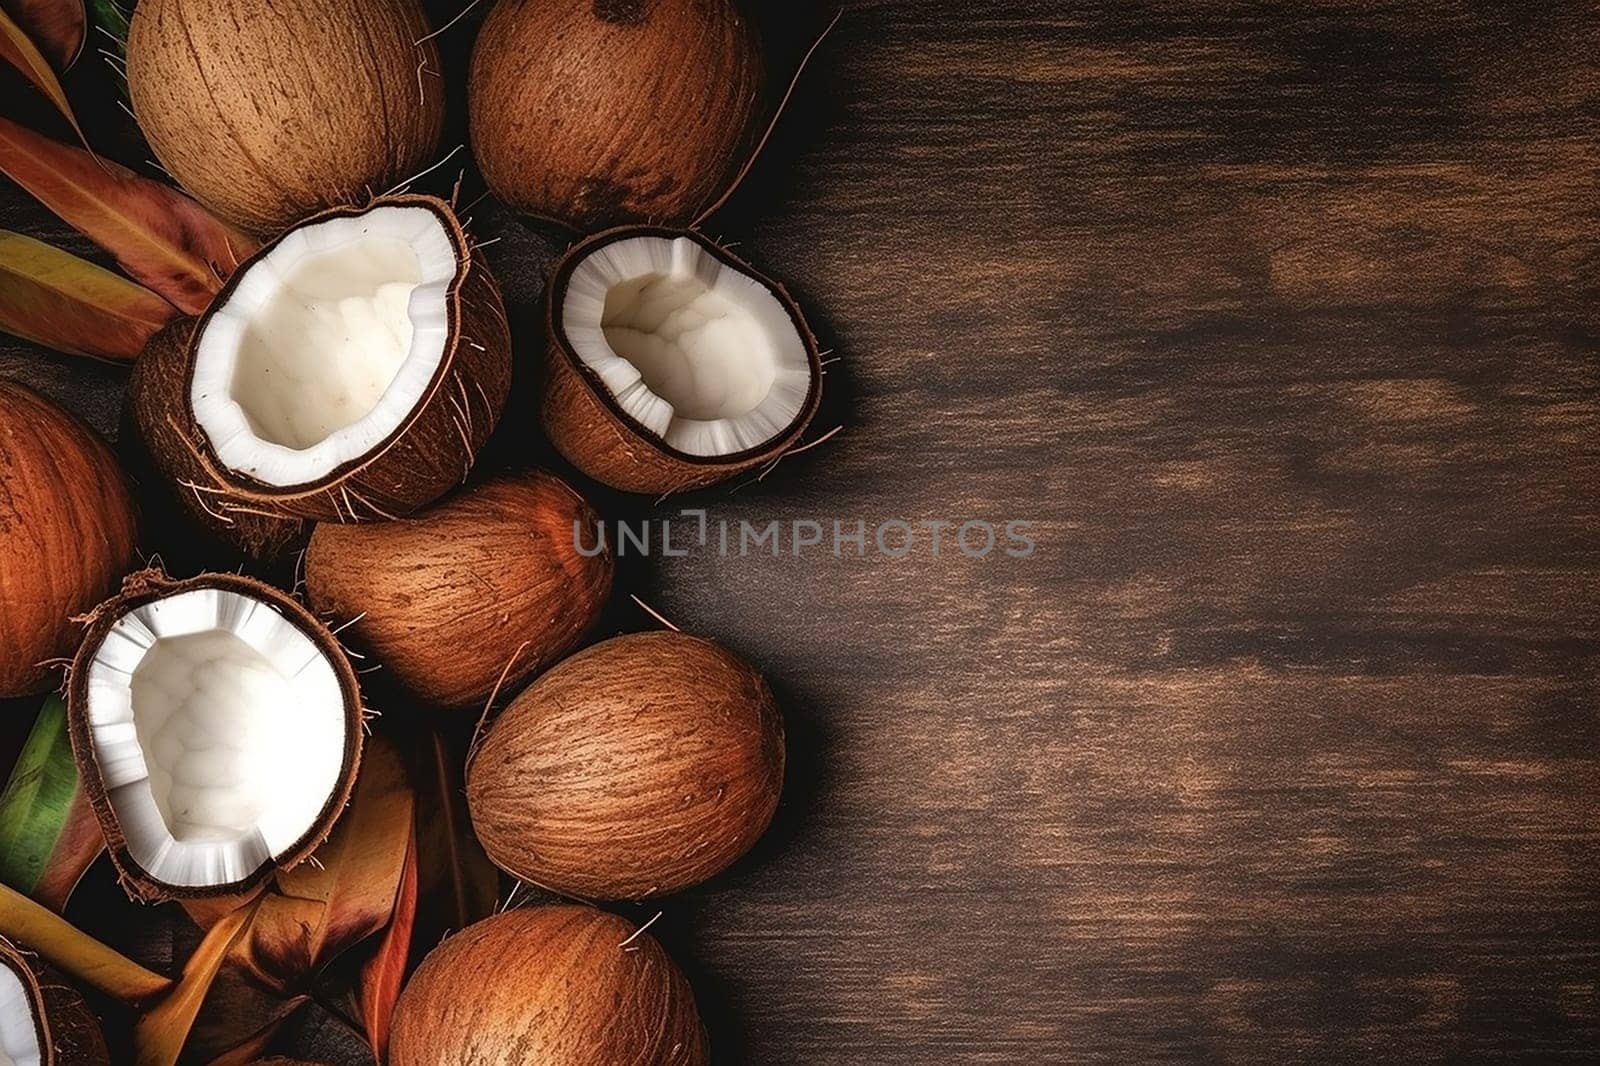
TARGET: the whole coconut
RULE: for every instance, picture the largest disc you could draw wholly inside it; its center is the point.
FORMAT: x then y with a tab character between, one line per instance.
640	766
594	112
270	110
67	534
557	986
490	583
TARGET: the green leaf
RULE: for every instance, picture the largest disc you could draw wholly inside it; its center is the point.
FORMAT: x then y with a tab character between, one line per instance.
112	17
48	833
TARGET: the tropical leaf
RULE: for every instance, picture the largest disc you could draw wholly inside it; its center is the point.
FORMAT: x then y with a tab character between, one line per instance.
73	952
163	239
19	51
161	1032
384	974
58	27
71	305
48	832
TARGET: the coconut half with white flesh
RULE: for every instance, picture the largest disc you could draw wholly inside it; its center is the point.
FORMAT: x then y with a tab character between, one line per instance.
217	726
43	1022
673	364
350	370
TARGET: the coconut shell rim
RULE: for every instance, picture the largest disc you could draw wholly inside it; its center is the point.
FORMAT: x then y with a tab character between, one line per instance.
15	959
554	300
249	488
147	586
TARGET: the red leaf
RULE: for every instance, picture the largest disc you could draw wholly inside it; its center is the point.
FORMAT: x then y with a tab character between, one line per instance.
158	235
58	27
17	50
384	974
70	305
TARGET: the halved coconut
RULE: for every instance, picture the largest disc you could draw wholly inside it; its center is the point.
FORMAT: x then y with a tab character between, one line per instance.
350	370
217	726
42	1021
673	364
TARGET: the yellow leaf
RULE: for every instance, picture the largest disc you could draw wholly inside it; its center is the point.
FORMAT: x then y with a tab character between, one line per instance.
71	305
75	953
159	1037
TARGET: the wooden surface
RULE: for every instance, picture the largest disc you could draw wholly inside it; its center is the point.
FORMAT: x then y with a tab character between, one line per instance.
1280	322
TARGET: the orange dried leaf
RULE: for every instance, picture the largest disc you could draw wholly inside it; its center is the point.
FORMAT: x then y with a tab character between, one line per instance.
58	27
159	1037
384	974
20	52
73	952
159	236
71	305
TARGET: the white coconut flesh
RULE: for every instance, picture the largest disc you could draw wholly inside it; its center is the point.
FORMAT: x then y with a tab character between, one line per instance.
19	1032
325	344
219	728
702	355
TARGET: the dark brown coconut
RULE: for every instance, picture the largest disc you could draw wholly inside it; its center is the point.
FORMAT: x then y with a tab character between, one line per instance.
640	766
586	425
163	457
270	110
482	589
598	112
68	1032
553	985
67	533
152	585
427	455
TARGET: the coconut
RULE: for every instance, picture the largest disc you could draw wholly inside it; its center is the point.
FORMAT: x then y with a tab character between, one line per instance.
554	985
672	364
350	370
67	533
217	728
43	1022
640	766
479	591
598	112
270	110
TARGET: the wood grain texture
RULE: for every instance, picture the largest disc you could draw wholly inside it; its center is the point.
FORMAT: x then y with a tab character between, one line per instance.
1279	322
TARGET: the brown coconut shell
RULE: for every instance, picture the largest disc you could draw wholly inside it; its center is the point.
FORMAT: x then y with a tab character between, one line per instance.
270	110
68	1032
67	534
430	452
641	766
599	112
153	584
553	985
594	434
154	409
481	590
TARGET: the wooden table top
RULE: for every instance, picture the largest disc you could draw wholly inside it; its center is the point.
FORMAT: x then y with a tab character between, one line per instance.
1279	323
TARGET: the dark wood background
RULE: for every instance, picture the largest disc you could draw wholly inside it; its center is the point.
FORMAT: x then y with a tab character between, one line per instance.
1280	322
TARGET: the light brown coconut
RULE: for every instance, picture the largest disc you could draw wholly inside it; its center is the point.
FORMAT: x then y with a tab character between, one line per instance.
67	534
482	589
553	985
426	456
640	766
153	585
589	429
597	112
270	110
68	1032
